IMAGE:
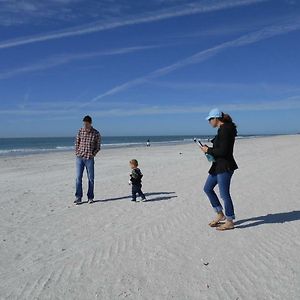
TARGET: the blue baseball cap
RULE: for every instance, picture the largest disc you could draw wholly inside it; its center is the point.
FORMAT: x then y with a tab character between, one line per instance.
214	113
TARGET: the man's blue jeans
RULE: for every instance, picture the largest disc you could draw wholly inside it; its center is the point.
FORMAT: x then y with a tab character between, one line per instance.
223	181
82	163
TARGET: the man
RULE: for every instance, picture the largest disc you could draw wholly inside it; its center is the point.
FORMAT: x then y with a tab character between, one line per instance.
88	142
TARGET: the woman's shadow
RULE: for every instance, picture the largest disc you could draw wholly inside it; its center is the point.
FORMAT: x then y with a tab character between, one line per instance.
269	219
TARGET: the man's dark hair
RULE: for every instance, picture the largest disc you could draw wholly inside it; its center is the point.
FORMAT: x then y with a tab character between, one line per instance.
87	119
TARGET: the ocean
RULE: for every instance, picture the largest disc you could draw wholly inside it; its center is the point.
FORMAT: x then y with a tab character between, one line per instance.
23	146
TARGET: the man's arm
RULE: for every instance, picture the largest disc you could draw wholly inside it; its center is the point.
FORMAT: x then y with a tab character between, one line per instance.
77	142
97	144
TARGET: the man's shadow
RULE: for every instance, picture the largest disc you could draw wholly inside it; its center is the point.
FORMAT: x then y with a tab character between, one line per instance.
160	197
269	219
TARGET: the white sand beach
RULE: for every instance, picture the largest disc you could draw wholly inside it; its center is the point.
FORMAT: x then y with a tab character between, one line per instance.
160	249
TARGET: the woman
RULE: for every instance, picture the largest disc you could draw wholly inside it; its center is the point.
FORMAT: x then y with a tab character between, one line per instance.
222	168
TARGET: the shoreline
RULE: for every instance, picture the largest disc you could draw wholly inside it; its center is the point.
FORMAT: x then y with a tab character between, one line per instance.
68	149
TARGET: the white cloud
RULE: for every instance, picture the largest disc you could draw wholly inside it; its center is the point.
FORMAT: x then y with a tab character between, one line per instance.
261	86
123	110
177	11
16	12
289	103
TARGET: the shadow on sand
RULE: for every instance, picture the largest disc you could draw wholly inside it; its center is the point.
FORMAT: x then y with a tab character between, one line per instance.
269	219
160	197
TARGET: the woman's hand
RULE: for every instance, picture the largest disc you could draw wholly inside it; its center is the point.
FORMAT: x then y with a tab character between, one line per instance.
204	148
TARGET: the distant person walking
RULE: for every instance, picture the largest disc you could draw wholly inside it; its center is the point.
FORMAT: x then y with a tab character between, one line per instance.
148	143
88	143
222	168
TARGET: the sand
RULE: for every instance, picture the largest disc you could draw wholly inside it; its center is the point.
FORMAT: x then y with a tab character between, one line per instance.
161	249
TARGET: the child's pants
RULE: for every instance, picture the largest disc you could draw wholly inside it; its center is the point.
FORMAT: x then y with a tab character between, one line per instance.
137	189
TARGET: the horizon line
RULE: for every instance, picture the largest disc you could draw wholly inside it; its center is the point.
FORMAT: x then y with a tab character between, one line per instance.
152	135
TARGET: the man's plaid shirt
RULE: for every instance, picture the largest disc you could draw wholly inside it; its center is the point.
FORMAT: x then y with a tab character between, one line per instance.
88	143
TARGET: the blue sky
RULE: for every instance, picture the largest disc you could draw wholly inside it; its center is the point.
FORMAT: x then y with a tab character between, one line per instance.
148	67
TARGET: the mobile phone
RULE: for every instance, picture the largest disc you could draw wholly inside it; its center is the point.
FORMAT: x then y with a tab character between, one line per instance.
198	142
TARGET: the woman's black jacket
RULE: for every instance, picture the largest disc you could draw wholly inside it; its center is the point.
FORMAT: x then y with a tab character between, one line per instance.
222	149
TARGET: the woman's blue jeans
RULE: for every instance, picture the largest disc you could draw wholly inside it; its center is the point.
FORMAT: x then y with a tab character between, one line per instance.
223	181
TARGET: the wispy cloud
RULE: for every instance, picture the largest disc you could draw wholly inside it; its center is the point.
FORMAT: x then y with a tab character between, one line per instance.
289	103
67	58
282	104
36	12
254	37
239	86
178	11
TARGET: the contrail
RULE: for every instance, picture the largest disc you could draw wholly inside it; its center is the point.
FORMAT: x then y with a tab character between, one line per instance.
158	16
203	55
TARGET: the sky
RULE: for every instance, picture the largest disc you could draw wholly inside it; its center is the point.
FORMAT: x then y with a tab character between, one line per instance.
148	67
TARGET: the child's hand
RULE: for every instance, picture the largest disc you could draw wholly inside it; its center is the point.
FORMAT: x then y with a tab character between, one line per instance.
129	182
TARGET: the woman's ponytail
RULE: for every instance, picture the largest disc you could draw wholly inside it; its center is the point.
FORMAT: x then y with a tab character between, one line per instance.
226	118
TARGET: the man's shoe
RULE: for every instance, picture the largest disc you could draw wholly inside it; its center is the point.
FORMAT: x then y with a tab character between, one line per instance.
144	200
90	201
77	201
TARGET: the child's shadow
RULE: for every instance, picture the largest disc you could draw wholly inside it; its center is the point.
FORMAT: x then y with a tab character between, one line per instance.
169	195
269	219
160	197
